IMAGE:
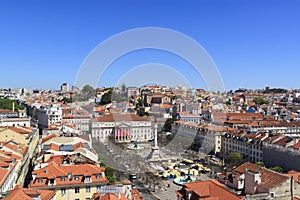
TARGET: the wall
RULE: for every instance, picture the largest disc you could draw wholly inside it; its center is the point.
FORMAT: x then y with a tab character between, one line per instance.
276	157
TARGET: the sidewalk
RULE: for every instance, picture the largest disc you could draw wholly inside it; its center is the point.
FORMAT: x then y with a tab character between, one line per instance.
168	193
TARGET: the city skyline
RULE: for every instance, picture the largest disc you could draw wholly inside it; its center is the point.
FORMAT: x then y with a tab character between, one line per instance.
254	44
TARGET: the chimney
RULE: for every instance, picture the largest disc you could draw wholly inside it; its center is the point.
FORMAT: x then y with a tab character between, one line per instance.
33	177
69	175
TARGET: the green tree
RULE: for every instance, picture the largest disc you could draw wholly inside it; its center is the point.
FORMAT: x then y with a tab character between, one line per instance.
228	103
277	169
106	98
123	88
66	100
117	97
260	101
8	104
168	125
110	96
109	173
88	92
261	164
235	159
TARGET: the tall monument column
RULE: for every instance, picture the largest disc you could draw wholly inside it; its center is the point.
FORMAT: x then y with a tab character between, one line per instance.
155	154
155	135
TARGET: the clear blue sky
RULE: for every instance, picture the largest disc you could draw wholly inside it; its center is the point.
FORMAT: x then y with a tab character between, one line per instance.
253	43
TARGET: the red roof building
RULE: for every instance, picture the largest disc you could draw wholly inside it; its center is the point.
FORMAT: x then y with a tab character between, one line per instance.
29	194
70	181
208	190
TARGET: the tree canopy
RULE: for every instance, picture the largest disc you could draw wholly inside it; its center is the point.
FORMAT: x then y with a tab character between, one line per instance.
7	104
277	169
87	93
260	101
276	90
235	159
168	125
110	96
261	164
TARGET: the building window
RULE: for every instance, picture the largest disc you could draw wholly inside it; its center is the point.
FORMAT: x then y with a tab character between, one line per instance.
88	189
77	190
63	179
76	178
40	180
63	191
87	179
98	188
97	176
51	181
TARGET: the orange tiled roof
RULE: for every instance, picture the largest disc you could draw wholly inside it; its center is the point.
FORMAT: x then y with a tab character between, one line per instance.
166	106
295	174
6	111
136	195
45	139
283	141
24	194
207	190
118	117
110	196
296	146
4	172
58	159
269	178
56	171
21	130
54	147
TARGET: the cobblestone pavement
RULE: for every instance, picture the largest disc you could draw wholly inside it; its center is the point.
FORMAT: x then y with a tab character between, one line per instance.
167	193
119	160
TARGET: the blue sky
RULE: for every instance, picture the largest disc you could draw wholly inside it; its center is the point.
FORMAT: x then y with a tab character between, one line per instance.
253	43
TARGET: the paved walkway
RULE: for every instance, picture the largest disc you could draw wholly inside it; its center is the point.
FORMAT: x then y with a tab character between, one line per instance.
168	193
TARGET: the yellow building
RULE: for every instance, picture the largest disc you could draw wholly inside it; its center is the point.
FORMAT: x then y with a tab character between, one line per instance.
8	134
25	140
78	182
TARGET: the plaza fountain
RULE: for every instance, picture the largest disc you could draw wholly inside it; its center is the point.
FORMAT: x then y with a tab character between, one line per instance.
135	146
185	179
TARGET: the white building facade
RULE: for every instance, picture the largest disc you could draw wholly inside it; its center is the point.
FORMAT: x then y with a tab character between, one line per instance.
122	128
49	114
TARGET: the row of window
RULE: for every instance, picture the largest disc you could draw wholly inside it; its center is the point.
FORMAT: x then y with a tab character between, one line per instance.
63	179
9	182
77	190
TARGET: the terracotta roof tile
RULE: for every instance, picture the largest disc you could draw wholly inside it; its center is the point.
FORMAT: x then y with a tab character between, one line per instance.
24	194
269	178
119	117
296	146
56	171
207	190
295	174
45	139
